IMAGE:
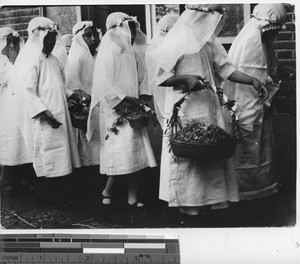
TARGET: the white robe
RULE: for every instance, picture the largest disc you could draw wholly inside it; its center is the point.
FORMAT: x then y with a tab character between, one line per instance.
193	183
130	150
255	159
79	75
55	151
13	150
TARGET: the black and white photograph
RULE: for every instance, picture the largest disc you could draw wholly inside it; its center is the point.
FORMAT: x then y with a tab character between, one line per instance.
148	116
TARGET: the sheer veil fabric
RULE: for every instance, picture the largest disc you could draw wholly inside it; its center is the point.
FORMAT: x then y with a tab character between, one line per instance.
193	35
159	93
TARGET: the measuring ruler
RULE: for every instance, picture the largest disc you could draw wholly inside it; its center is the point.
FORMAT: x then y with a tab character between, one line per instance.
83	248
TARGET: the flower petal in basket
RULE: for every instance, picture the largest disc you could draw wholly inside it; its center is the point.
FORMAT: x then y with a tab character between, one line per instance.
222	150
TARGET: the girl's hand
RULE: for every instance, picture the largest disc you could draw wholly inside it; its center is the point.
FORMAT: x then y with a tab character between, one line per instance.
133	101
261	89
191	82
51	120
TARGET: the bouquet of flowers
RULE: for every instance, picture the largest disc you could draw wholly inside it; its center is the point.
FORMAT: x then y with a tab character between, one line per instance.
136	117
79	110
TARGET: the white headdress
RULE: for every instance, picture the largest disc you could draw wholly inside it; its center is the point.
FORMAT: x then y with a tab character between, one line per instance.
193	29
247	49
269	16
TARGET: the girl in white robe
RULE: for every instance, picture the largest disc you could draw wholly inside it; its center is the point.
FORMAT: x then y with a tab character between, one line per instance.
79	75
252	53
189	50
46	122
15	157
120	75
38	91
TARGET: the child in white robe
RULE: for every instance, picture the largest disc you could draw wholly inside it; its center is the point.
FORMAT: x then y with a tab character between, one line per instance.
40	90
120	76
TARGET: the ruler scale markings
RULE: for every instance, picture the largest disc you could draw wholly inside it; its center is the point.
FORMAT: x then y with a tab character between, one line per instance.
11	257
92	249
74	258
98	258
85	258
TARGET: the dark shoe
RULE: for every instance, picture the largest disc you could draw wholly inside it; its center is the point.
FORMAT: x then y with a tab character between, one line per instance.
136	213
100	209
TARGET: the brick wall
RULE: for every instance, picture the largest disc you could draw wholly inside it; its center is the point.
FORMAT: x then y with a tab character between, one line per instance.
285	44
18	17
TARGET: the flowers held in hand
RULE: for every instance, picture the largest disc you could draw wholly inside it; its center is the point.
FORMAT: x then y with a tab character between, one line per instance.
79	107
137	117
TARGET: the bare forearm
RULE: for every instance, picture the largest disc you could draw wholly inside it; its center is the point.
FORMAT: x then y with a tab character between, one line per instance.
175	81
240	77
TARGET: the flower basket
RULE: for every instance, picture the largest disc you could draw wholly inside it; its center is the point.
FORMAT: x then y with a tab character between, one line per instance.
202	141
222	150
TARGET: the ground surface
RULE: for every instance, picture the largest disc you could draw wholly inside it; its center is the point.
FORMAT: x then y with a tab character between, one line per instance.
20	211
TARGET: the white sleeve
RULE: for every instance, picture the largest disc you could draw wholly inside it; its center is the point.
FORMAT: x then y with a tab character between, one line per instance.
221	62
142	75
73	73
34	104
113	94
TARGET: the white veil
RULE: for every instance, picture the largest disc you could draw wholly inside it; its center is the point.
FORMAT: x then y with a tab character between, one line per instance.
159	93
5	65
195	26
4	62
78	50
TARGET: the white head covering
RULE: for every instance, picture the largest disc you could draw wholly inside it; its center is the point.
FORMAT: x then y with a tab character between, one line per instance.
193	29
159	93
117	39
4	62
38	28
247	49
79	51
269	16
67	38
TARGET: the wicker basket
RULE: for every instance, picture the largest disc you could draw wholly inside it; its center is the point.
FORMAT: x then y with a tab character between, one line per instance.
204	152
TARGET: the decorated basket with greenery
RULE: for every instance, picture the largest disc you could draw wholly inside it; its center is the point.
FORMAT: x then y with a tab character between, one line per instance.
203	141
